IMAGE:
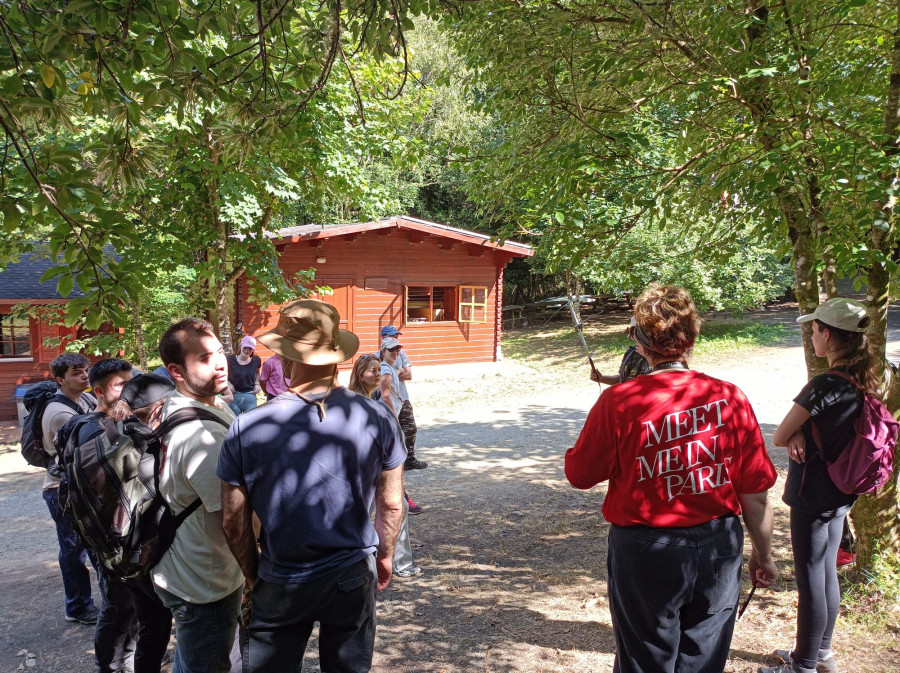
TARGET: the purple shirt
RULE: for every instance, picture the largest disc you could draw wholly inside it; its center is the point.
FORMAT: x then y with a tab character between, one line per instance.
272	377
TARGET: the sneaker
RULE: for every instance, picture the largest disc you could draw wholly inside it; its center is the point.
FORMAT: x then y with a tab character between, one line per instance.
412	571
845	558
414	464
413	507
86	616
828	665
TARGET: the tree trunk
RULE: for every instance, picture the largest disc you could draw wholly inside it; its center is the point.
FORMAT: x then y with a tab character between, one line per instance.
877	518
829	272
139	335
805	280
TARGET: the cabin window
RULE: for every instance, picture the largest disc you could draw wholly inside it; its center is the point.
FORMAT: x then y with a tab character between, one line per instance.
441	303
430	303
472	303
15	336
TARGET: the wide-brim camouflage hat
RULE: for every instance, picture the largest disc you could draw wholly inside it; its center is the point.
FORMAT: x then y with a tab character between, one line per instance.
308	331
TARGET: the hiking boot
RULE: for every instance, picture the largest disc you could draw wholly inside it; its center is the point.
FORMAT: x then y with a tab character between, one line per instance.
413	463
86	616
828	665
412	571
413	507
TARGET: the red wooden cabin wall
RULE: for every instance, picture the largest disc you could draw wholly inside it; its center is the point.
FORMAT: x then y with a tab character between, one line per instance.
402	258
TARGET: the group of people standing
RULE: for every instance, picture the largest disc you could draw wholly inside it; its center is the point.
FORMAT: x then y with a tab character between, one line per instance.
284	535
685	458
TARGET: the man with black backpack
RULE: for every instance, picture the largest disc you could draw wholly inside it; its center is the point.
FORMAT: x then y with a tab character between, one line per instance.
70	372
115	637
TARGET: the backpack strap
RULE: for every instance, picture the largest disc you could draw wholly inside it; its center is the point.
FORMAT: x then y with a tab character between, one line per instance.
59	397
179	417
187	415
190	509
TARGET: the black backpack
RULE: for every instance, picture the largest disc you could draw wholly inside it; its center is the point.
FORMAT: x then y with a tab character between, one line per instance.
112	492
36	400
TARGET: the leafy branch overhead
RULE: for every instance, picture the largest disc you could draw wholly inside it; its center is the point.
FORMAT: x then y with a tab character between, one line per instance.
93	94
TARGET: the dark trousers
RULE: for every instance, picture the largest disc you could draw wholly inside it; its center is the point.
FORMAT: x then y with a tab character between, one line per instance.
409	427
815	539
114	638
672	595
154	622
282	618
73	558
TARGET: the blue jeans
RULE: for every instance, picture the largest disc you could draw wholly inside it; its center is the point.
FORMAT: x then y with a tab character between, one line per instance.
204	631
282	618
673	594
243	402
73	558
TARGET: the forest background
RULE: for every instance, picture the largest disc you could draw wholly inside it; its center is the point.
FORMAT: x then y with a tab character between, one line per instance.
740	149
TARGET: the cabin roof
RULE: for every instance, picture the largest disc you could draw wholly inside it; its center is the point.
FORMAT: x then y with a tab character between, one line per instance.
310	232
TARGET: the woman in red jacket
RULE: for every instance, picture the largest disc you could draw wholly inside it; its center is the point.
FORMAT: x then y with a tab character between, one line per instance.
684	457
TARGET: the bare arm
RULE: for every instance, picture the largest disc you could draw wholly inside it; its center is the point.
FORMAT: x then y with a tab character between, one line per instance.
757	511
388	517
597	377
405	374
237	520
789	434
385	388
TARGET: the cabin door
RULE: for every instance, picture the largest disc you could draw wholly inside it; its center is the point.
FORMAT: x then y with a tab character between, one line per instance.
341	297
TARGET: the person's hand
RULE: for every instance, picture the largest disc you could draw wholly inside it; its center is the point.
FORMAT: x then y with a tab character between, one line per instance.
797	447
763	571
595	375
246	601
385	567
257	389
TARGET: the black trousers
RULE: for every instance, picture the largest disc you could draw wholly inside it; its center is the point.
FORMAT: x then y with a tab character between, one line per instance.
673	594
154	621
815	540
282	618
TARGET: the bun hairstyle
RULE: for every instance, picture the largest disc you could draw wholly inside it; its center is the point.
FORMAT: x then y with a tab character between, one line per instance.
667	320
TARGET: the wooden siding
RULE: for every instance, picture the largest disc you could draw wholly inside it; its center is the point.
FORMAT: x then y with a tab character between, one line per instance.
394	259
15	371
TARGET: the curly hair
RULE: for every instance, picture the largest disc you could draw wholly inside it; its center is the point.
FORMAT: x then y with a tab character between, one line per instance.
668	319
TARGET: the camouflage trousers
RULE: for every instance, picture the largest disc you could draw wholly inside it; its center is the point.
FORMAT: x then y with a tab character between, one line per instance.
408	425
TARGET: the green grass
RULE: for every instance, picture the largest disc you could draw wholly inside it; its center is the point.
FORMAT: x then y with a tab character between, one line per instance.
717	338
871	598
559	343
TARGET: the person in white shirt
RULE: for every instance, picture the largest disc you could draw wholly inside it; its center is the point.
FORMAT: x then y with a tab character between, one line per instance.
198	579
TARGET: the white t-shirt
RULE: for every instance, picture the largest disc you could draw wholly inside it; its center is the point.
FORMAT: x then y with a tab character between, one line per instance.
198	567
56	414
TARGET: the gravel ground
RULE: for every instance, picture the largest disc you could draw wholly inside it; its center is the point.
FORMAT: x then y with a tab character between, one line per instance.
513	558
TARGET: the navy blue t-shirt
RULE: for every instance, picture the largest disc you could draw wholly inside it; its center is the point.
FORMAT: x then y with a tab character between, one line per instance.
310	481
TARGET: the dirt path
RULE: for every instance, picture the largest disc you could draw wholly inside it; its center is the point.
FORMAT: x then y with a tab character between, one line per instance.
514	558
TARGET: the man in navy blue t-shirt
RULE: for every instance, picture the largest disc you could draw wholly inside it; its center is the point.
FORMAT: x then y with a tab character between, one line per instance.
309	464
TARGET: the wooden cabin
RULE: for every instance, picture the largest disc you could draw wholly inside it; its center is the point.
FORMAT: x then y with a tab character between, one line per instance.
24	356
439	285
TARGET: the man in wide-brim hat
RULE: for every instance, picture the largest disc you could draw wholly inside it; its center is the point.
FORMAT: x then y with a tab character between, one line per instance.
309	464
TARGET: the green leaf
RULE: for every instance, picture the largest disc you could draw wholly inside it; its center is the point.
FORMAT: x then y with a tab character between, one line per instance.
65	285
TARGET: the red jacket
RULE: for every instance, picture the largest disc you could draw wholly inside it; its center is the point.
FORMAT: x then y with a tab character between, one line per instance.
677	448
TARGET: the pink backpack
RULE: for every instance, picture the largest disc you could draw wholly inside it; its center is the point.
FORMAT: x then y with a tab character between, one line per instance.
867	461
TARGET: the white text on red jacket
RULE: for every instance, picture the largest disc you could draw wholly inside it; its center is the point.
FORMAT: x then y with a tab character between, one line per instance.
690	466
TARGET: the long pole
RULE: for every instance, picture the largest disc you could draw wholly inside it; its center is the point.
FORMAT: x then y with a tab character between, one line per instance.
578	329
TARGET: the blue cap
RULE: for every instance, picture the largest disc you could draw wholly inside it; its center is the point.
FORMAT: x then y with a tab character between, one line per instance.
389	330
